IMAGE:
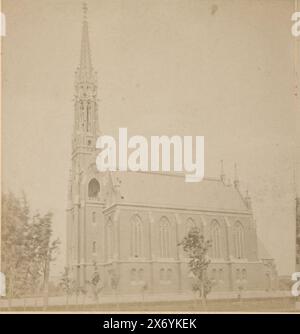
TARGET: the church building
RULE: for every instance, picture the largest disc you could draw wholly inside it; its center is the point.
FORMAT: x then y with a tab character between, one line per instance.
130	223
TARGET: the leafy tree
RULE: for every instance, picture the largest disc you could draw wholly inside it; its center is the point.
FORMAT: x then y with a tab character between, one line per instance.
67	284
46	250
27	247
14	226
84	292
114	283
197	248
96	283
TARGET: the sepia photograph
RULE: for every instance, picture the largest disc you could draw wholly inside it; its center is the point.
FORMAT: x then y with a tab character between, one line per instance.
150	156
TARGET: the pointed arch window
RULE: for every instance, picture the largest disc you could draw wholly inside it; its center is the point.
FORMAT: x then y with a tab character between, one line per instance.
136	236
93	189
88	117
164	237
239	240
216	239
82	114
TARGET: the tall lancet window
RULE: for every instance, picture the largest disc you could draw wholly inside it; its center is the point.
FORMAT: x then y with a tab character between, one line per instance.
136	236
216	239
81	115
164	237
109	238
239	240
88	117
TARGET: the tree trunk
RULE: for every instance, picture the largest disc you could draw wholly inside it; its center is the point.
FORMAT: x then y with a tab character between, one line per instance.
67	301
83	302
117	300
195	300
203	295
46	283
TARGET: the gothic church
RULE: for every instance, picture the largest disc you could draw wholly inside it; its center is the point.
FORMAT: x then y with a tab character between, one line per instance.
130	223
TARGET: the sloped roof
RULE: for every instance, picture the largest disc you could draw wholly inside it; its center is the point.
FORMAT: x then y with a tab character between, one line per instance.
262	251
162	189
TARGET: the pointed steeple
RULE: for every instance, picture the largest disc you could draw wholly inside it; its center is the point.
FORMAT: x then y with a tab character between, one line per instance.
86	127
85	67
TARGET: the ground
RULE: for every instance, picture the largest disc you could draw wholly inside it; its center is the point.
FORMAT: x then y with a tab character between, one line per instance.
253	305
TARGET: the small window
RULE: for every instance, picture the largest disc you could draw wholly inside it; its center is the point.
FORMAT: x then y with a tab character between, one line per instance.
141	274
94	217
169	275
162	274
221	276
89	142
133	275
244	274
94	247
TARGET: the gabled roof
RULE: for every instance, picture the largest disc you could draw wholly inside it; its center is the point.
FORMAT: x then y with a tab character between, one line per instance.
165	189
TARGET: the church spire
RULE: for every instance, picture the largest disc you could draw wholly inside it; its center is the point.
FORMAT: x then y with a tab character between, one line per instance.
85	67
86	109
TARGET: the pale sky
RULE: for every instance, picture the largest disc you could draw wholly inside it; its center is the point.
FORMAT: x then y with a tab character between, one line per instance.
221	69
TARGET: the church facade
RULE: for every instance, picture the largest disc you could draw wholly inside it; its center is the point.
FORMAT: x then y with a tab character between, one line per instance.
130	223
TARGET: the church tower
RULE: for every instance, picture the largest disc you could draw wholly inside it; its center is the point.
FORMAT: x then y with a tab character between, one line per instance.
84	203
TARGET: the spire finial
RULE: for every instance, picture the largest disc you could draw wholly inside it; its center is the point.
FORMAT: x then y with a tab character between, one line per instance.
248	199
236	177
222	172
